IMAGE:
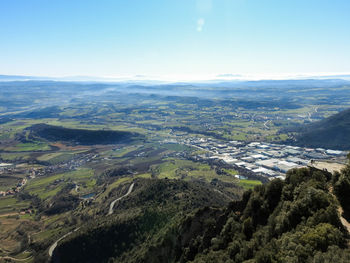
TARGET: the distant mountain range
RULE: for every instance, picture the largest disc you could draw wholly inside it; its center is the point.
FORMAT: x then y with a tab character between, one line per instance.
137	79
332	132
142	79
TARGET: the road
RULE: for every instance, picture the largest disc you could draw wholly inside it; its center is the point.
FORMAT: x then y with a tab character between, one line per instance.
345	223
54	245
309	116
120	198
76	187
15	259
340	210
265	124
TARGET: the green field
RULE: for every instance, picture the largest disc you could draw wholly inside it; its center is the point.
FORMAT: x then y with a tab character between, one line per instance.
48	186
14	156
10	204
55	158
29	147
249	184
186	169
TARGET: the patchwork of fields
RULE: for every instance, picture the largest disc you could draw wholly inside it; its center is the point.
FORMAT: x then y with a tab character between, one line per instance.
66	160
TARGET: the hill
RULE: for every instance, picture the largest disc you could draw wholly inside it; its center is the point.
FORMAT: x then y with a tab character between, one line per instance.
140	219
331	133
80	136
295	220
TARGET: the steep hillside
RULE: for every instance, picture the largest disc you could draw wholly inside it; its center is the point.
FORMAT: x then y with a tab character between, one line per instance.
331	133
291	221
295	220
79	136
138	221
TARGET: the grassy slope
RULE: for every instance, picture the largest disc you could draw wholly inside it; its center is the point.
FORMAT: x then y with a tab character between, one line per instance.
332	132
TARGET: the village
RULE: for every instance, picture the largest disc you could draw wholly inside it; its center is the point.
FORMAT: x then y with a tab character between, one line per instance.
29	172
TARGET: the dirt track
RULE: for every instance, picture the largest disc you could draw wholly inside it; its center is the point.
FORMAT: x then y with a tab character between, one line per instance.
329	166
344	222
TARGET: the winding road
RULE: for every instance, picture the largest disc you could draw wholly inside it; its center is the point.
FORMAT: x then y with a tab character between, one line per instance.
54	245
265	124
111	206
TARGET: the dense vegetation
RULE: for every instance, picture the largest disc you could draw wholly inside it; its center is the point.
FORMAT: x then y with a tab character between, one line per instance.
341	183
291	221
144	216
331	133
79	136
295	220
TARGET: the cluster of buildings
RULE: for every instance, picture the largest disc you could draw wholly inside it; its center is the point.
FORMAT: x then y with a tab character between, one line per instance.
265	159
15	189
5	167
11	168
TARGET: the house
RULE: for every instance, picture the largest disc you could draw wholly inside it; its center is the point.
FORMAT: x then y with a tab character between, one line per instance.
269	163
284	166
264	171
259	156
333	152
248	159
244	164
297	160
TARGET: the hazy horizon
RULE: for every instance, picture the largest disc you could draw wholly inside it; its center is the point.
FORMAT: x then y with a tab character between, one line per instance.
185	79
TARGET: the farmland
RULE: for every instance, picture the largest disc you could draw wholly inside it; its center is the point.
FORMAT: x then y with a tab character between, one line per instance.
65	161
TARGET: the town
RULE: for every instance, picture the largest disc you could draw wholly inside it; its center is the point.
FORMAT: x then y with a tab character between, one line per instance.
264	159
261	159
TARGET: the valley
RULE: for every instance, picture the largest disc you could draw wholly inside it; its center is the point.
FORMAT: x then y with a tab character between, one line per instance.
101	156
199	131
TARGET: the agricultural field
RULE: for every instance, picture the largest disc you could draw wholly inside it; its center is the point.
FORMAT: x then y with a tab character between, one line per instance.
77	155
249	184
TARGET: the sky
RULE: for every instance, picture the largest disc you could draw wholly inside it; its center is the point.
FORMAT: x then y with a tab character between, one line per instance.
175	39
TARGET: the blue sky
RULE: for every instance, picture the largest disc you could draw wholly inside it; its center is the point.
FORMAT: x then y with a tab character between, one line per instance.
174	38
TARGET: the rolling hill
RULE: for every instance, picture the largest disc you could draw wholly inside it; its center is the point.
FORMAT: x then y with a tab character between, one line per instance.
79	136
141	218
331	133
